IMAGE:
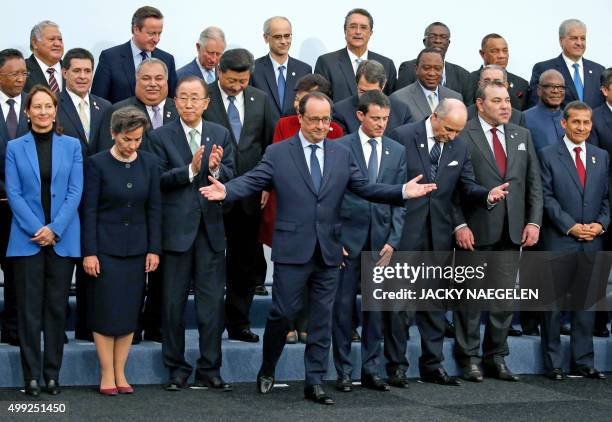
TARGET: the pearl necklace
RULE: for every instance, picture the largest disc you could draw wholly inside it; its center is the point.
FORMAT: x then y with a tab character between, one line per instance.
118	157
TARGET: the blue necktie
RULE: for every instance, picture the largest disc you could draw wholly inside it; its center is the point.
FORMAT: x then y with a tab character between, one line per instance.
578	82
234	118
373	162
281	87
315	168
210	76
11	119
144	55
434	156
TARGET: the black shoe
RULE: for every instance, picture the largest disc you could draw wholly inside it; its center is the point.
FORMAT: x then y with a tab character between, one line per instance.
355	338
398	379
374	382
245	335
601	332
565	330
32	388
449	330
501	372
137	337
317	395
84	335
214	382
9	338
587	372
265	383
344	384
261	291
439	376
555	375
472	373
153	335
514	332
176	385
531	331
53	388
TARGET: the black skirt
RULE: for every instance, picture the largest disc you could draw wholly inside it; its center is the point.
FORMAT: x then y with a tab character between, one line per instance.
115	296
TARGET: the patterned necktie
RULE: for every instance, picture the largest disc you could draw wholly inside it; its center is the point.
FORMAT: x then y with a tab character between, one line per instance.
83	117
373	162
144	56
498	151
578	82
281	86
315	168
52	81
11	119
193	142
434	156
432	100
234	118
357	63
580	166
210	76
157	118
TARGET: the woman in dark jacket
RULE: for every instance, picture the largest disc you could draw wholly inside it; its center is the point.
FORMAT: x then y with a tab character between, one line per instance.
121	241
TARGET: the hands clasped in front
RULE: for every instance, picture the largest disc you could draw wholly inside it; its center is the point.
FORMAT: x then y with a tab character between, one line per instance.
44	237
586	232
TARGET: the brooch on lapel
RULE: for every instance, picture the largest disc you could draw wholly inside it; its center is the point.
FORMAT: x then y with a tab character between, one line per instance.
96	105
168	114
593	159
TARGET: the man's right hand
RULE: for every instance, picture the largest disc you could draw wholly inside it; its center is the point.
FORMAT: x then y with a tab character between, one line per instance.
581	232
465	238
196	161
213	192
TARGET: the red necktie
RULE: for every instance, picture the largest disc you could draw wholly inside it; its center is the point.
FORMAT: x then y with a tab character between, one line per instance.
498	151
52	81
580	166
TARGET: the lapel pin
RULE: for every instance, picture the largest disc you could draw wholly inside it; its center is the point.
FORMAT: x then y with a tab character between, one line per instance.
590	71
96	105
386	152
252	99
593	159
168	115
511	85
422	145
512	135
292	73
207	139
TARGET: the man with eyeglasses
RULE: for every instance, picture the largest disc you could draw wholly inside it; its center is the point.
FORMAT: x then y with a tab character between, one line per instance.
544	119
44	65
581	75
193	239
276	73
114	79
437	35
210	47
13	124
340	67
245	112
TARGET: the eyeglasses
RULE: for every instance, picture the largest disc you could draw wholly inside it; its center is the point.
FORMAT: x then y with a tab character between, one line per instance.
194	100
553	87
355	27
316	120
442	37
15	75
279	37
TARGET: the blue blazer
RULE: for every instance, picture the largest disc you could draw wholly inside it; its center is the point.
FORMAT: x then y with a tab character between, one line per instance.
455	174
567	203
592	74
264	78
360	218
183	206
344	113
544	125
304	217
22	129
23	191
115	77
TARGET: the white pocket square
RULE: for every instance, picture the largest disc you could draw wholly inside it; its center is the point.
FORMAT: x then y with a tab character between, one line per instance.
453	164
521	147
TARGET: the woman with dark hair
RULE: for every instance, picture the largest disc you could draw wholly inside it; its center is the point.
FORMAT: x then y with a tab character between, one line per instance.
121	242
44	182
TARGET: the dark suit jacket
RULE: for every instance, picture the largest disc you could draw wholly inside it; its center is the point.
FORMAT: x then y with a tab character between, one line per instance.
524	201
190	69
255	136
517	117
518	88
344	113
37	76
567	203
305	218
601	133
337	68
115	77
361	220
115	220
22	129
264	78
413	96
455	173
592	75
457	78
105	140
68	118
184	209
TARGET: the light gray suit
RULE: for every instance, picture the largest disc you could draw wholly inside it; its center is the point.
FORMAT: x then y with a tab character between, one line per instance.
413	96
496	229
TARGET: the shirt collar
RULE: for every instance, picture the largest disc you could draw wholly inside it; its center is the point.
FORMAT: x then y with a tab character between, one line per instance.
4	97
276	64
44	67
365	138
427	91
160	105
570	145
188	129
203	69
569	62
353	56
486	127
224	95
429	129
609	106
136	51
306	143
76	99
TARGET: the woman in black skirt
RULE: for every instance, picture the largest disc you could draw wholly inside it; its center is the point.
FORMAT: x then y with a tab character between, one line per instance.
121	241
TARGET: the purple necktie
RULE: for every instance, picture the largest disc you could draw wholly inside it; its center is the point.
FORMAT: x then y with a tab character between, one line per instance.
11	119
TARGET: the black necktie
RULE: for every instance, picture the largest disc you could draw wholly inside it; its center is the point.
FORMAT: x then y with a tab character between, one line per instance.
434	156
144	55
11	119
373	162
315	168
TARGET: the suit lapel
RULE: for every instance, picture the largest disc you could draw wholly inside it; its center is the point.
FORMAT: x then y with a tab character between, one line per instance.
421	101
128	66
568	162
346	67
250	107
445	158
478	138
56	154
561	67
30	150
591	167
421	144
270	79
96	117
300	162
358	152
216	107
328	166
73	114
608	118
22	125
170	112
180	141
290	81
512	147
384	159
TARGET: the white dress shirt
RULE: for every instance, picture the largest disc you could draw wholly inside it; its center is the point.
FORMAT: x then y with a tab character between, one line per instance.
431	139
151	113
6	108
238	102
276	65
206	72
570	147
500	134
353	57
136	54
367	148
76	100
57	74
428	92
570	67
320	153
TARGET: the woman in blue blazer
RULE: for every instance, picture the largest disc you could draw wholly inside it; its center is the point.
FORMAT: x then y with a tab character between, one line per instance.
121	241
44	182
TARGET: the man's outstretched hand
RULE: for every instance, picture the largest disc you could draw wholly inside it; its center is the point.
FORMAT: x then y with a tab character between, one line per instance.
213	192
413	189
